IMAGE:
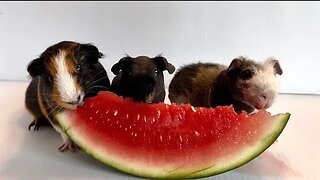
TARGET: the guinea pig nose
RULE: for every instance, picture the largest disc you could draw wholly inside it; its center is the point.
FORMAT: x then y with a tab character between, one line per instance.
80	100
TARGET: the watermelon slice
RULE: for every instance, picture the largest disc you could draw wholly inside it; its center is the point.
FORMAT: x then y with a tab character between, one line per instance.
169	141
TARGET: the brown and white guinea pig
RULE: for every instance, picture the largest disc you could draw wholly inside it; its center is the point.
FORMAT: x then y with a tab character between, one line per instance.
141	78
62	76
245	84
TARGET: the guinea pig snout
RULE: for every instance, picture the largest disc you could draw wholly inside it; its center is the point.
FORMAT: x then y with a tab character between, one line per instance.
77	100
264	100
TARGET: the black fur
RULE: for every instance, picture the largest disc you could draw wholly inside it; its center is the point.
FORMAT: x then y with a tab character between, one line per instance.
91	76
141	78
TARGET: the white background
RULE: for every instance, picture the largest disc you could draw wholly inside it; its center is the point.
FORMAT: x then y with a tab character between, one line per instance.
184	32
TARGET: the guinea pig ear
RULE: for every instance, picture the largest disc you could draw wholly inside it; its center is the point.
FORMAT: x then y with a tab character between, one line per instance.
234	66
275	64
36	67
90	53
164	64
118	66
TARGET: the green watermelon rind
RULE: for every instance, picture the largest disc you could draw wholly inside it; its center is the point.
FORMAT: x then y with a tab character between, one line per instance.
245	156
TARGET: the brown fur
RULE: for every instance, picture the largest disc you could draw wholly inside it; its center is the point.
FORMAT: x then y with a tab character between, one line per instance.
197	80
42	97
211	85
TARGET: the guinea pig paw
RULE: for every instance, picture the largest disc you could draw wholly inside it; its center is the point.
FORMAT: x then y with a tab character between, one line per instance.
36	126
68	145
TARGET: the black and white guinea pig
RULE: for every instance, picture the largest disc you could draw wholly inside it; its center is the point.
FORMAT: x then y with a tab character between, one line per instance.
141	78
62	76
245	84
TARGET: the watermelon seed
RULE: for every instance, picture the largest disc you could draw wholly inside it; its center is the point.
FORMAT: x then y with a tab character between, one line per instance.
169	137
158	113
193	109
120	126
97	111
153	120
127	116
197	133
134	135
115	113
125	129
212	132
180	138
117	122
108	119
107	111
160	138
145	119
129	127
91	118
91	106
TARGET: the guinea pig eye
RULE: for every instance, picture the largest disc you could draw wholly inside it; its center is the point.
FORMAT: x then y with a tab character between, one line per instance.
79	68
129	72
156	71
50	79
246	74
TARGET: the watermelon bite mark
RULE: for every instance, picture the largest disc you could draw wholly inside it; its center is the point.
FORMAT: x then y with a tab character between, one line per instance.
169	141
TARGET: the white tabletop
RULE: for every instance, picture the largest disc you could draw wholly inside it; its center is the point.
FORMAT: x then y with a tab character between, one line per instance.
34	154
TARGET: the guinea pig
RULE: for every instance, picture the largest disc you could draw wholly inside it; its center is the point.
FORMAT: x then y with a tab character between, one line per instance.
245	84
141	78
62	76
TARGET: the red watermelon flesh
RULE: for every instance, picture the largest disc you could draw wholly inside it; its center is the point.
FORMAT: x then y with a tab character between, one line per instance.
169	141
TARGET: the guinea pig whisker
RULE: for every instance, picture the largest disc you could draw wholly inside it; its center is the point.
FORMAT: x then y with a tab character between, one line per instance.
49	107
51	94
61	108
80	80
90	92
93	92
101	87
92	78
37	100
51	110
95	81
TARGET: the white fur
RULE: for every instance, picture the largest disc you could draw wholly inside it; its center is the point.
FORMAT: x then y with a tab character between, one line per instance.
65	82
266	83
271	78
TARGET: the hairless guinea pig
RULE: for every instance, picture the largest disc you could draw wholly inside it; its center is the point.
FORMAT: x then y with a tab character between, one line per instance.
141	78
62	77
245	84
